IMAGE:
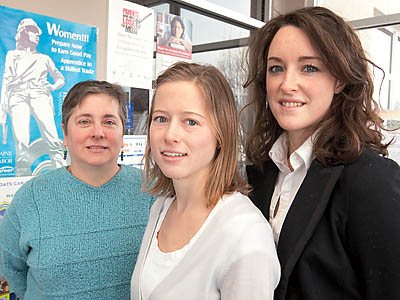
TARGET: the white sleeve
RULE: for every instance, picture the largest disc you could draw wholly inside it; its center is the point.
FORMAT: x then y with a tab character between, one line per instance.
254	272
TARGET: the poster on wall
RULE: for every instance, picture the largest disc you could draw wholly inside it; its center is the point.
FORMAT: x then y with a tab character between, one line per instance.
41	58
130	44
8	187
173	40
130	64
134	148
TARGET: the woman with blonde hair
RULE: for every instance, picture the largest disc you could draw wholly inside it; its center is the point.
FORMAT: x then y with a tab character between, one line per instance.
205	239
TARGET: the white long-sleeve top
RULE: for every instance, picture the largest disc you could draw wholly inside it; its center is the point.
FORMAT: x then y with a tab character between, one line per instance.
233	257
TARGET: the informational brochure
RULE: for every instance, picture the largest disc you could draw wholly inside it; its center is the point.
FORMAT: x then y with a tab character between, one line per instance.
130	44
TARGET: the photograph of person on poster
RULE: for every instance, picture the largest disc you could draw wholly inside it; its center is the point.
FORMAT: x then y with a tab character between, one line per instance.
26	91
173	33
178	38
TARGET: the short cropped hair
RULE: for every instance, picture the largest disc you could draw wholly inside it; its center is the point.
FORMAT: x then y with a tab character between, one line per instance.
84	88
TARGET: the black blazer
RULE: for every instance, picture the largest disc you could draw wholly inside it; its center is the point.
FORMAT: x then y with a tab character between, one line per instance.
341	237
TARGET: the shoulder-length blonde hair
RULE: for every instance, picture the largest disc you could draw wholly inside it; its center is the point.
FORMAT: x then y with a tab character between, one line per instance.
220	104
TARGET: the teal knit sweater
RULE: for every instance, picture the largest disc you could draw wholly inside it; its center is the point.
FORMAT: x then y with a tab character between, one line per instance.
64	239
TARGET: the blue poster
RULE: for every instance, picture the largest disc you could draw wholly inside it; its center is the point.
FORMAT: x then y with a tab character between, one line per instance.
41	58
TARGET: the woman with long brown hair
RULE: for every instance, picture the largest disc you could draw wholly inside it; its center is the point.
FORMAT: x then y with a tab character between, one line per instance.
318	169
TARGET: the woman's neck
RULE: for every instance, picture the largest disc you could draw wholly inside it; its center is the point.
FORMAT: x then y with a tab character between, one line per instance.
190	196
295	140
184	218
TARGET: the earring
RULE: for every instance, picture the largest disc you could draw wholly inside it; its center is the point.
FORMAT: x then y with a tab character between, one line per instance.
122	155
65	154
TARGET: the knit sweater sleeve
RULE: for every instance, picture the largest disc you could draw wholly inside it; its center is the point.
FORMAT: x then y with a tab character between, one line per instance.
254	270
13	251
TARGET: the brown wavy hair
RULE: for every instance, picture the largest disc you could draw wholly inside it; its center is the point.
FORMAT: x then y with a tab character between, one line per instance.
224	176
352	121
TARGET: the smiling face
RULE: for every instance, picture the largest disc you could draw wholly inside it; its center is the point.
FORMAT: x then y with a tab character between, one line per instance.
182	139
94	133
178	29
300	88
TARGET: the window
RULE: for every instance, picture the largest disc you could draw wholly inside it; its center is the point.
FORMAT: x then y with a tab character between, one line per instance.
360	9
208	30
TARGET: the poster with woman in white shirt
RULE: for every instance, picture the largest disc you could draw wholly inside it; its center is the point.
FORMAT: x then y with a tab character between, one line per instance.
40	59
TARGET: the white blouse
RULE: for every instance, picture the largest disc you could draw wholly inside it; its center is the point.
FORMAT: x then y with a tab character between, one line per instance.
288	182
159	264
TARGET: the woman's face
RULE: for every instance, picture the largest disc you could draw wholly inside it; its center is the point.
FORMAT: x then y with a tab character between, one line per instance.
94	134
300	88
182	139
178	29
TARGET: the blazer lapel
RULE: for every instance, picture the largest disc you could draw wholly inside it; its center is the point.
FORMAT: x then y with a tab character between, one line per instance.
263	184
303	216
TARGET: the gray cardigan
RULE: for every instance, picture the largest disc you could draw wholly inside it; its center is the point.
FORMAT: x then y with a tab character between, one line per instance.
233	258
